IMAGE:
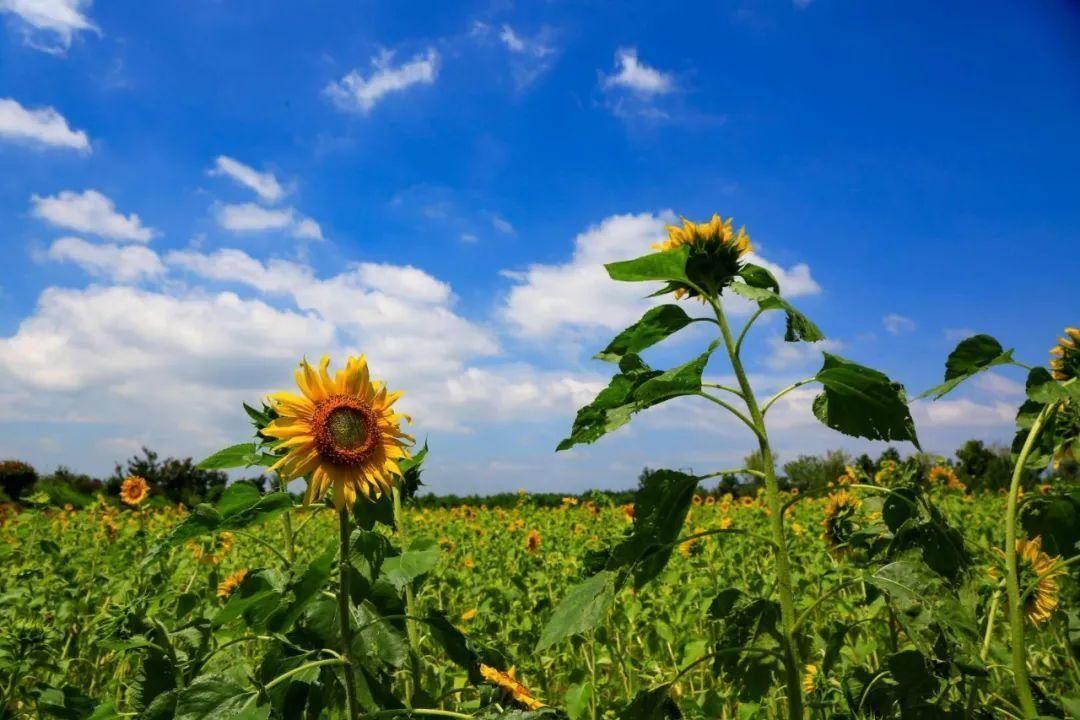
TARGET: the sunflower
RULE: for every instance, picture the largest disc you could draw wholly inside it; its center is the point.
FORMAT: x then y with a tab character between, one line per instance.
839	513
506	682
1041	571
809	679
532	541
1065	356
849	477
340	432
134	490
468	615
715	253
886	471
944	475
227	586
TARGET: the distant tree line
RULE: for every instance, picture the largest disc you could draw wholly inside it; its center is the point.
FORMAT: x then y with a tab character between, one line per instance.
979	466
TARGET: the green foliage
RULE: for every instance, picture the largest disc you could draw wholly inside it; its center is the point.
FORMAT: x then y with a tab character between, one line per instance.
862	402
971	356
655	325
16	477
180	481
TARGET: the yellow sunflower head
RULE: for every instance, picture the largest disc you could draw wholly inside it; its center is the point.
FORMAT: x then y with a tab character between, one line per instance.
134	490
809	679
839	517
340	432
716	253
532	541
510	685
228	586
1065	356
945	475
1038	569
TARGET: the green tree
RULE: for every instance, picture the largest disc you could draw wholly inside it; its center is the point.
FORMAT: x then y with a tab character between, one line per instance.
16	477
181	481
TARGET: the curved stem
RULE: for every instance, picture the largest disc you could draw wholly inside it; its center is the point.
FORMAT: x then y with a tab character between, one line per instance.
792	664
1012	579
735	471
393	712
785	391
725	388
306	666
733	410
266	544
344	612
746	328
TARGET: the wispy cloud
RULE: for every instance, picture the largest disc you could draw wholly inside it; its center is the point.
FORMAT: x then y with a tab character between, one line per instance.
49	25
896	324
634	75
90	212
356	91
253	218
264	184
119	263
43	127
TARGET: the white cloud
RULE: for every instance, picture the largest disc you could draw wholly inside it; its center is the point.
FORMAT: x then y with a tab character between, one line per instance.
638	77
502	225
120	263
43	127
265	185
90	212
251	217
963	413
896	324
548	300
998	385
356	92
785	355
58	19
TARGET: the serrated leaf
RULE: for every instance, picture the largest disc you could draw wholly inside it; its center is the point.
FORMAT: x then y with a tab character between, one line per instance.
420	559
972	356
636	388
862	402
583	608
799	327
655	325
759	277
668	265
216	697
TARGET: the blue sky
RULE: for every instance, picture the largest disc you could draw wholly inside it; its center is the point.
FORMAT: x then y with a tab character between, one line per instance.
197	193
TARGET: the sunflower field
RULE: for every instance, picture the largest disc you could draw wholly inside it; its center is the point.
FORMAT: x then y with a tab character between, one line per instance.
897	593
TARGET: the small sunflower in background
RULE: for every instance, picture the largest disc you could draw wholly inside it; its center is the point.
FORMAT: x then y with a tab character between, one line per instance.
840	512
716	253
228	586
532	541
1041	571
1065	356
510	685
809	679
946	476
134	490
341	432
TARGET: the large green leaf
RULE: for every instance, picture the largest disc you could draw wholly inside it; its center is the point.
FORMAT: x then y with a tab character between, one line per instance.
668	265
217	697
237	456
655	325
799	327
635	388
659	513
652	704
583	608
759	277
862	402
971	356
420	559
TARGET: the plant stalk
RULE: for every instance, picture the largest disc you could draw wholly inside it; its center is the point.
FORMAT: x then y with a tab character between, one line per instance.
1021	680
784	587
410	600
344	612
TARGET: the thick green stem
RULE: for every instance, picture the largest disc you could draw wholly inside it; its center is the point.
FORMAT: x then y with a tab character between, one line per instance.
785	591
1012	577
286	524
344	612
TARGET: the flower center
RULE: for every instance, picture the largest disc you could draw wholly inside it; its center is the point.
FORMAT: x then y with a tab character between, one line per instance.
346	430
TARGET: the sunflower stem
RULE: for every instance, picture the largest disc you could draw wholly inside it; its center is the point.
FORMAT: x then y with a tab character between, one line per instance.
286	524
792	664
344	612
1021	679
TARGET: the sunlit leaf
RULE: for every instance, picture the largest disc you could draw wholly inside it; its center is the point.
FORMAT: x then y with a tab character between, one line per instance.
668	265
799	327
971	356
582	609
655	325
862	402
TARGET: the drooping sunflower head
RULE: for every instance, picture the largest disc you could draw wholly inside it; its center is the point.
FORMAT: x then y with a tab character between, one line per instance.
134	490
1067	434
340	432
532	541
839	520
510	686
1065	356
716	253
1038	569
228	586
